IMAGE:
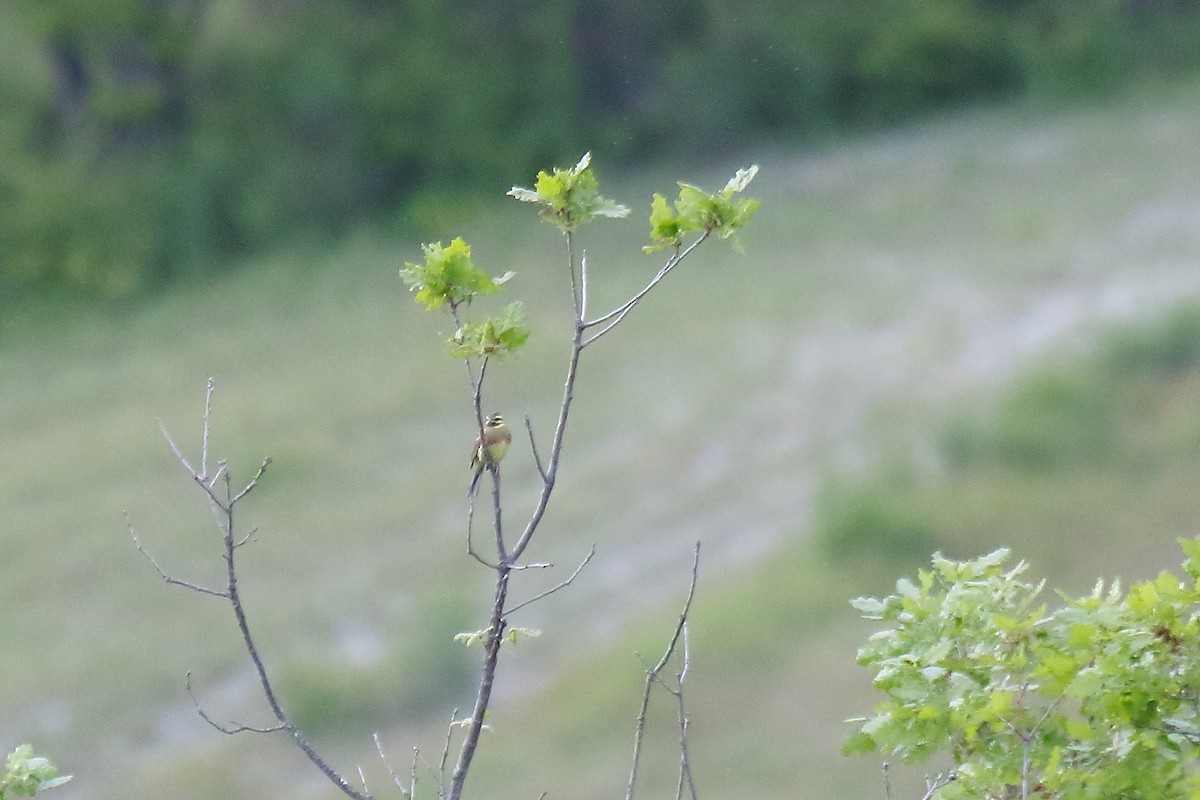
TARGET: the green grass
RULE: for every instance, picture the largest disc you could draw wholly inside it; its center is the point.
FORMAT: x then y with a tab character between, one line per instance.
888	286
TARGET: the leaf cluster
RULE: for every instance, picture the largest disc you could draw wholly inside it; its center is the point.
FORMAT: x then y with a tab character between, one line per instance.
1099	698
491	336
696	211
26	774
570	197
449	279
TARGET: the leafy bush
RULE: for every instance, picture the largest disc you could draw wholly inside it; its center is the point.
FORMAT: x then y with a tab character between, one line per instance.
1094	699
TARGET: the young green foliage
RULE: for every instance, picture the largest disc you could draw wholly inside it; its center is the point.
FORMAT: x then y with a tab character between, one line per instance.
1100	698
698	211
570	197
27	774
448	277
493	336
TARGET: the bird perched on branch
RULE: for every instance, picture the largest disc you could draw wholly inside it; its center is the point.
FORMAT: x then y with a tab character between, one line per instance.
489	448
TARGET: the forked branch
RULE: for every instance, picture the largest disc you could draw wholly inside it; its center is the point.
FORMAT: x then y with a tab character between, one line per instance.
653	677
218	488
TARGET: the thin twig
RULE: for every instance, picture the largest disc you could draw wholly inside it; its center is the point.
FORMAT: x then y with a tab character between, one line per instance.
576	299
170	579
178	453
406	793
537	457
933	786
262	468
583	285
887	781
412	785
614	317
446	754
470	541
208	393
685	763
553	589
232	727
653	676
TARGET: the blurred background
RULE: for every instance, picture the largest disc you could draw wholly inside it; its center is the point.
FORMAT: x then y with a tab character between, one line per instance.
967	316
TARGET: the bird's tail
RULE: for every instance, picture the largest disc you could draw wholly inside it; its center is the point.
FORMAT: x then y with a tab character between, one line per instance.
475	483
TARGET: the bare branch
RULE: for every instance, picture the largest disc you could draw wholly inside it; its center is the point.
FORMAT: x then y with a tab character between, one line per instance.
246	538
262	468
470	542
169	579
487	678
583	285
179	456
232	727
653	675
553	589
407	793
208	393
685	763
576	298
537	458
933	785
614	317
446	754
224	513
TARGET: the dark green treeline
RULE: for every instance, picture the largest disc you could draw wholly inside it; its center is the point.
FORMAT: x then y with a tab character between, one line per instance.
142	140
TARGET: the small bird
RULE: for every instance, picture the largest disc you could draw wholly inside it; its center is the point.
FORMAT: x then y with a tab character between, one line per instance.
489	448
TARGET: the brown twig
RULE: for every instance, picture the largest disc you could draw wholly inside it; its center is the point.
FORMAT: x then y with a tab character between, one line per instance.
614	317
653	676
553	589
537	457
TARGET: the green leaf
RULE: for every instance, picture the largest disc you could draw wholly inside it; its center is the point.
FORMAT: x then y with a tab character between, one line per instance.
699	211
448	277
858	743
570	197
528	633
740	180
525	195
870	607
469	638
664	225
492	336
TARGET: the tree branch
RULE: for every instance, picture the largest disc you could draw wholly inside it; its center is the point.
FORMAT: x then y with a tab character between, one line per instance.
614	317
653	676
223	509
553	589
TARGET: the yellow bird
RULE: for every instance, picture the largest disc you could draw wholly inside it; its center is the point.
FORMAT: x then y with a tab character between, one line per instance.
489	448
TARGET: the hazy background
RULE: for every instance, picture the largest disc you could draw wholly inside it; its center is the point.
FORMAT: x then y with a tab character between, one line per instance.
962	320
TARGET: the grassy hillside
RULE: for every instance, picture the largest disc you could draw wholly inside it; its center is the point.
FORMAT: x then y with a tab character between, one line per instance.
888	287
